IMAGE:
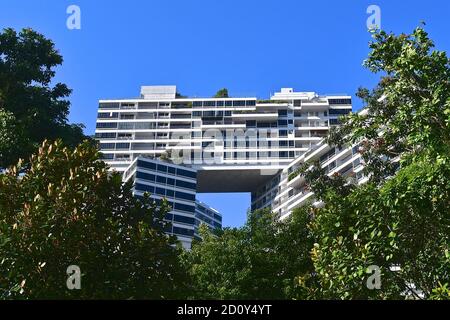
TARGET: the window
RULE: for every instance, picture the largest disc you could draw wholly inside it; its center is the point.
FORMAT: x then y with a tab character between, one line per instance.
122	146
239	103
162	168
170	193
334	122
186	173
172	170
109	105
107	146
161	180
144	188
209	103
251	123
185	196
186	185
147	165
183	231
340	101
105	135
339	111
160	191
145	176
108	115
107	125
184	207
107	156
197	104
183	219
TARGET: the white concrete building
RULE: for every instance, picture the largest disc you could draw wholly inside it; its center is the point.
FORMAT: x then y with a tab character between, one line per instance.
235	144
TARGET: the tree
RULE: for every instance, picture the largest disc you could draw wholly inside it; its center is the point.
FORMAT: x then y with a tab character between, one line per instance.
400	220
410	105
36	109
11	138
402	227
67	209
265	259
222	93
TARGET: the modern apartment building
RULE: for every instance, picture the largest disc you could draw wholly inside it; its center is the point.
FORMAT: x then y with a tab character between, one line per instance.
177	184
235	144
287	190
206	215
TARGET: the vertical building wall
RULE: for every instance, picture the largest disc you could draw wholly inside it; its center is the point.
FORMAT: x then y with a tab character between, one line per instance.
177	184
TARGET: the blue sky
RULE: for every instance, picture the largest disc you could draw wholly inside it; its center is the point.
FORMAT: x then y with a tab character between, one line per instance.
251	47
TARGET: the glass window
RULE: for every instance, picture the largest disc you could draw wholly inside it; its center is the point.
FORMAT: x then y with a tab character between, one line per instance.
107	125
147	165
161	180
171	170
170	193
209	103
145	176
106	135
186	173
183	231
184	184
122	146
160	191
184	207
144	188
162	168
107	146
183	219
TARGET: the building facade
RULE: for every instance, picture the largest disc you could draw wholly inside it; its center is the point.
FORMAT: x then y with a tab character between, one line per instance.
287	190
220	145
177	184
235	144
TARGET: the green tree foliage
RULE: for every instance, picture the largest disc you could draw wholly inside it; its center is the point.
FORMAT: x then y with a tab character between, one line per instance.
28	101
222	93
399	221
67	209
265	259
410	105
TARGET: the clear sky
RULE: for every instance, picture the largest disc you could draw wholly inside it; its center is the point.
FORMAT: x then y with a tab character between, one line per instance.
252	47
